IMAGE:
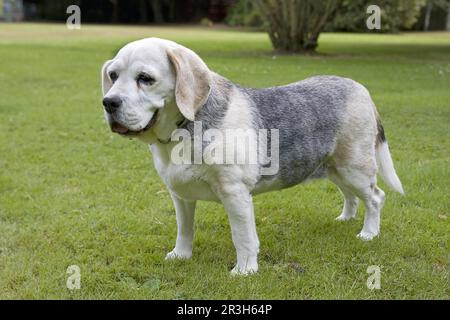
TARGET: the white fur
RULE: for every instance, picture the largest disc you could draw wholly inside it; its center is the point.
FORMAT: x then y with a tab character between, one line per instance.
139	103
231	185
386	168
354	164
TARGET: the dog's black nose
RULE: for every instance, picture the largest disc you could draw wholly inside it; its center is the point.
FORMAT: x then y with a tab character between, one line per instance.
111	104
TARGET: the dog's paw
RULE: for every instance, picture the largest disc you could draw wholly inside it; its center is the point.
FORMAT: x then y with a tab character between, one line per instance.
175	254
367	236
244	271
345	217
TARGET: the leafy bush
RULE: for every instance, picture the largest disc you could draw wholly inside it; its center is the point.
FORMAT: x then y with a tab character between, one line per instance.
396	15
244	13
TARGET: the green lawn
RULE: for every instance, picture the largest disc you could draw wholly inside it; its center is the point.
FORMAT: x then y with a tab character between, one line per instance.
73	193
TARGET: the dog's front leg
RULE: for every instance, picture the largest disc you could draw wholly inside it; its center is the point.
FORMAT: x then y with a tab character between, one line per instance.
239	206
185	211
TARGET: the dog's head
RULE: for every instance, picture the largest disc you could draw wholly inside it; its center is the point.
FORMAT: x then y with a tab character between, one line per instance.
144	78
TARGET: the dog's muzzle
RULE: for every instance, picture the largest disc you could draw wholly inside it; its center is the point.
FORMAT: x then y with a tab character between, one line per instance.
121	129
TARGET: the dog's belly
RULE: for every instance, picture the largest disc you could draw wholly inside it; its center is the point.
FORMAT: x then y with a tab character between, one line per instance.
266	185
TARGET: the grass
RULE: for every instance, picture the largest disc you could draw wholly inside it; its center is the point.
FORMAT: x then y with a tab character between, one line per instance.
72	193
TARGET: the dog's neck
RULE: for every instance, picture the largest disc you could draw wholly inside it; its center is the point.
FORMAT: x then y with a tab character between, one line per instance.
169	119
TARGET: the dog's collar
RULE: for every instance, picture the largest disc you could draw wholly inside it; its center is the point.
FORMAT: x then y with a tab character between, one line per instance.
180	124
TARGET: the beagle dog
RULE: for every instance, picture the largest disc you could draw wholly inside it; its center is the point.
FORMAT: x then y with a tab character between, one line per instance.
320	127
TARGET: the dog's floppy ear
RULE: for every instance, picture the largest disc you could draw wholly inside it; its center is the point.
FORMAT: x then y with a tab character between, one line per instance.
193	81
106	81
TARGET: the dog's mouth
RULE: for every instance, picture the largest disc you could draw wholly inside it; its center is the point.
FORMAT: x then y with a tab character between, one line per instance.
122	130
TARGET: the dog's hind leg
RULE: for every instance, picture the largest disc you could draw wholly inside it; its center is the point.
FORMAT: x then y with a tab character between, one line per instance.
354	158
363	185
374	200
351	201
353	167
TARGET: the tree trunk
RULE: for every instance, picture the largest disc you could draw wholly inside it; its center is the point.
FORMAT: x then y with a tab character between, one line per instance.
115	11
172	8
426	23
448	16
157	12
143	17
295	25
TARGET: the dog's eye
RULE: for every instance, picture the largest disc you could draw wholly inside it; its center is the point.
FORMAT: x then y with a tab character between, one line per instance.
113	76
144	78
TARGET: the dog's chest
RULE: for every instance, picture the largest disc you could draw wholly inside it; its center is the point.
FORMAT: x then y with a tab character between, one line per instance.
186	181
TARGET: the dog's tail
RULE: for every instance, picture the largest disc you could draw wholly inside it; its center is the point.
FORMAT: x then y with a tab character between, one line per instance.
384	160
